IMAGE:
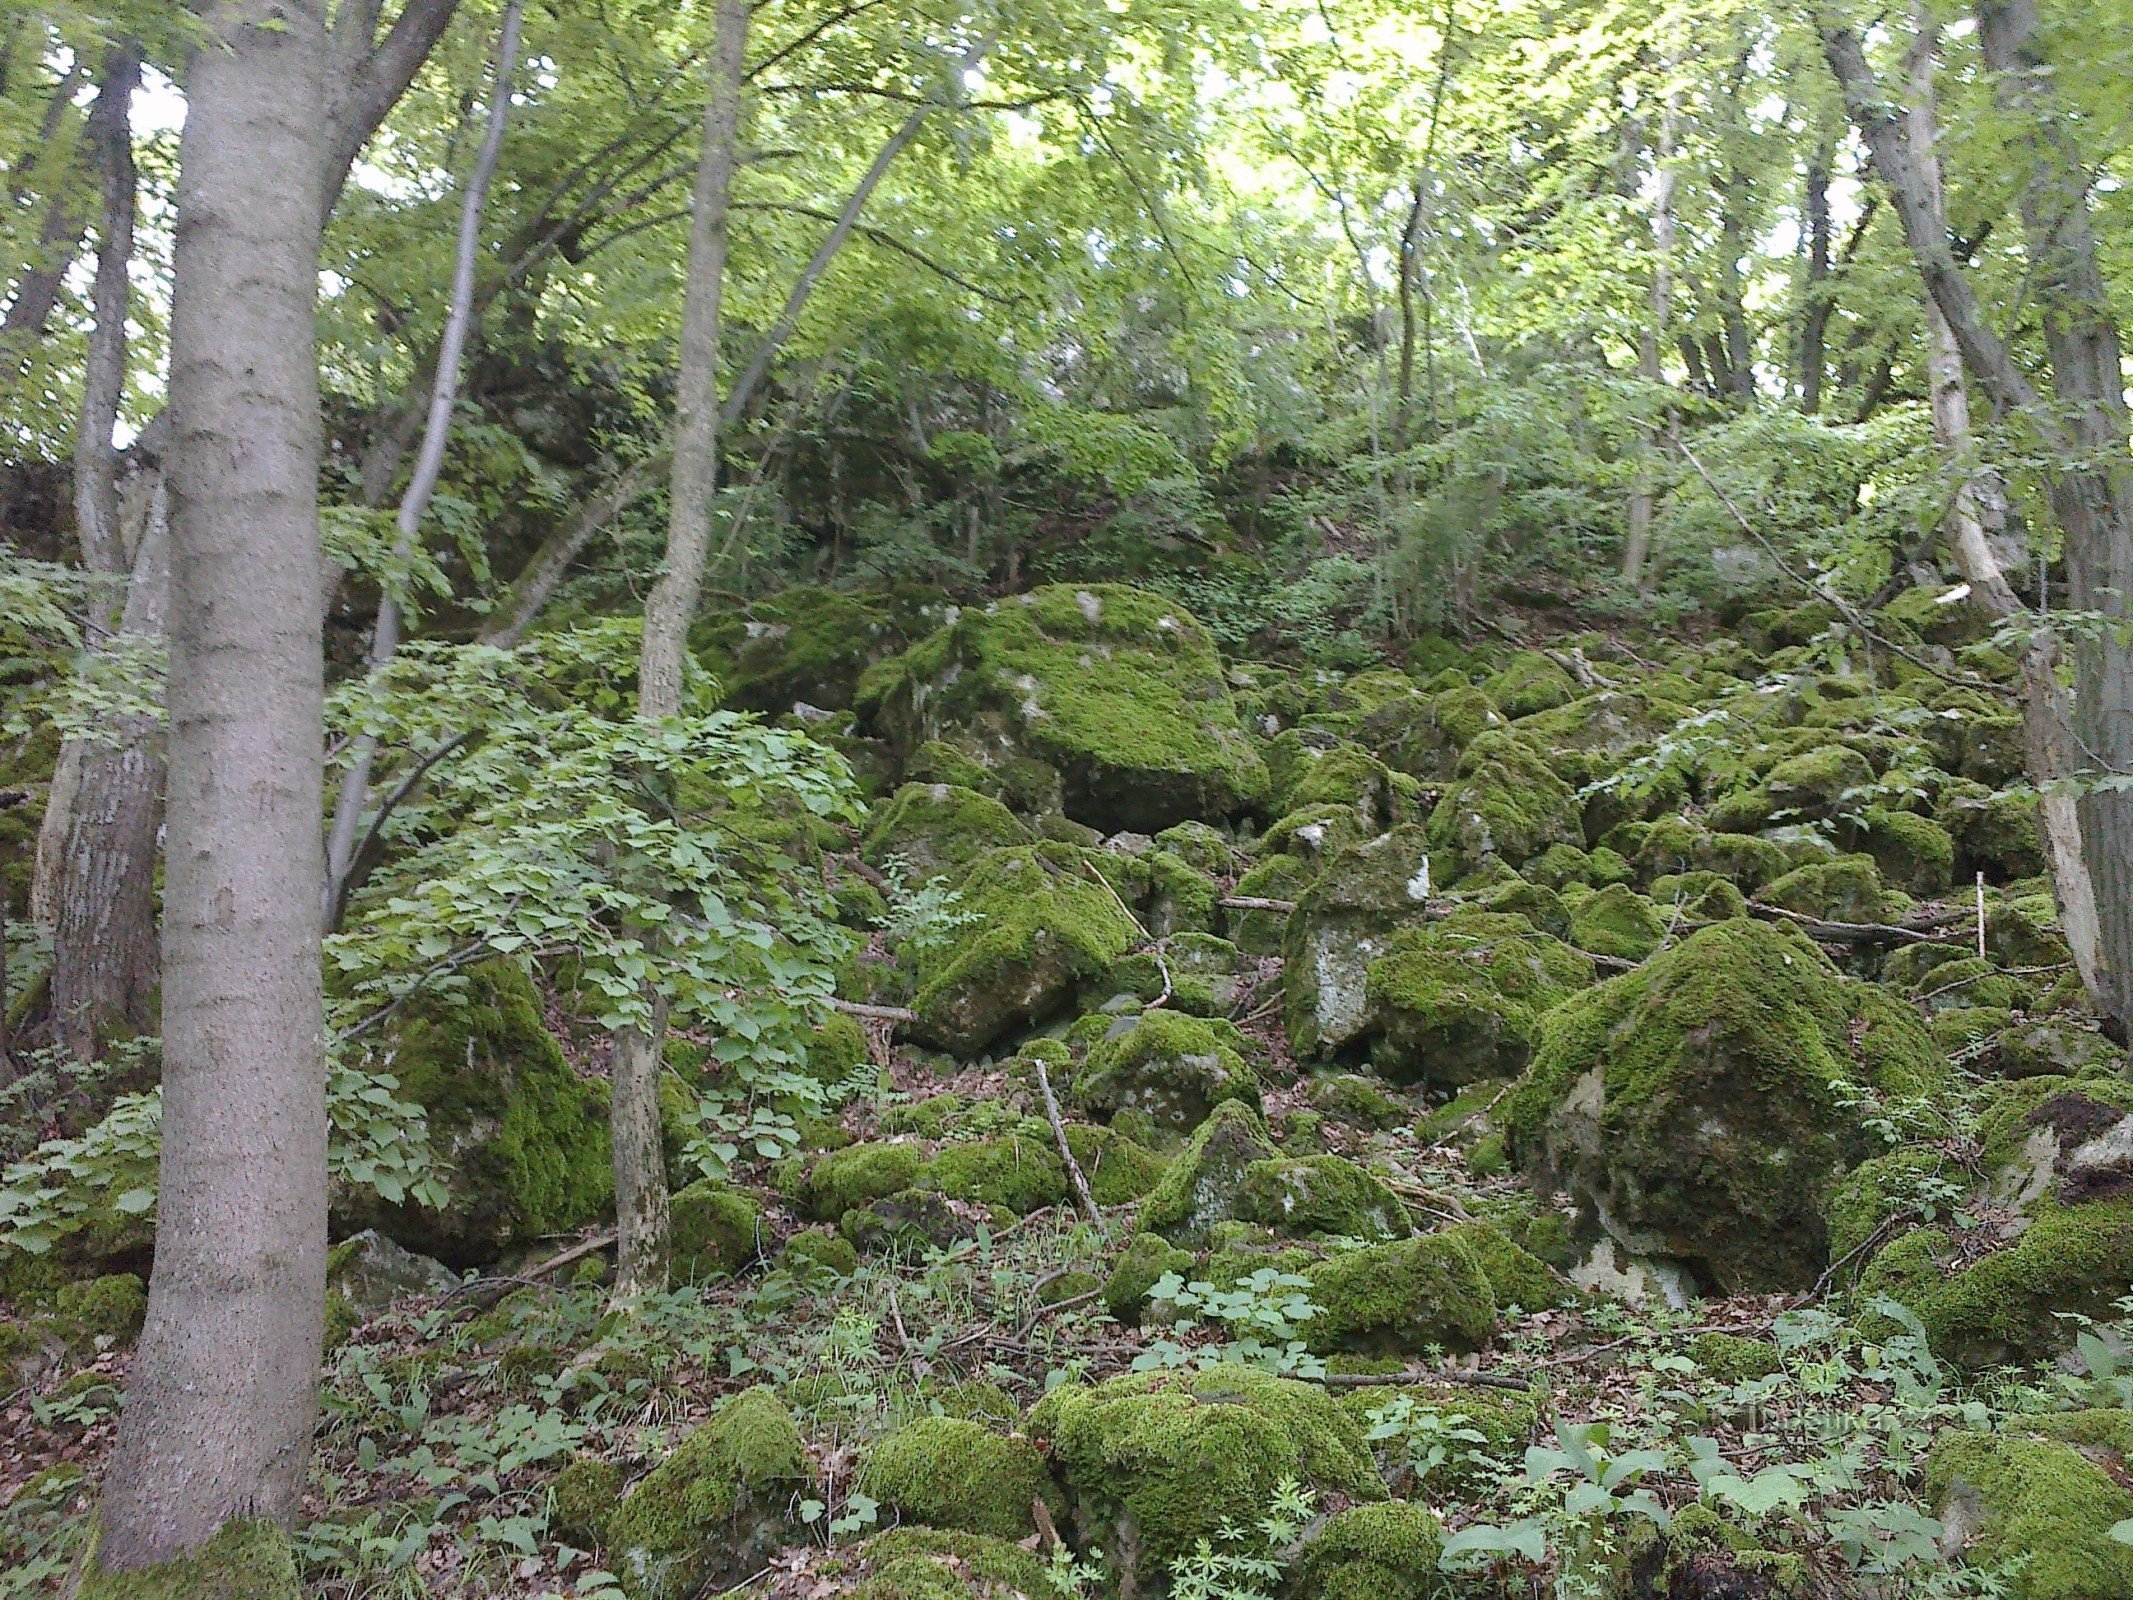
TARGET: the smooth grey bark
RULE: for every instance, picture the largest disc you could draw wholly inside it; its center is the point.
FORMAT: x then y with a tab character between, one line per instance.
1818	301
354	791
222	1394
64	225
639	1163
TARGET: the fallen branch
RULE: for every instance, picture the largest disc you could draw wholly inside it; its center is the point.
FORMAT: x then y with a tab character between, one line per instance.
1066	1153
1859	932
877	1013
1387	1380
1252	902
485	1292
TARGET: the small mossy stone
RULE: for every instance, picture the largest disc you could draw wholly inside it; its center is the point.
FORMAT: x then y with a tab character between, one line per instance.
582	1499
1119	1170
842	1179
1352	1098
1529	682
942	1564
1152	1463
1386	1551
1401	1299
1324	1195
1617	922
715	1230
1172	1067
813	1252
946	1472
2010	1497
1848	889
243	1561
1813	785
1729	1358
1362	896
1506	804
110	1308
1145	1262
715	1504
1200	1186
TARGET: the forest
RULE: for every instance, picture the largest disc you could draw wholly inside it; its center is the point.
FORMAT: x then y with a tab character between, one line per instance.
1066	800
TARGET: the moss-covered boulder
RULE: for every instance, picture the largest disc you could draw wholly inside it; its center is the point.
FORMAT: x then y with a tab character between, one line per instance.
582	1499
1618	922
804	645
1042	927
2038	1505
1360	896
1172	1068
2051	1231
1677	845
942	1564
1461	999
1325	1195
1848	889
842	1179
1701	1107
1506	804
1018	1172
521	1139
947	1472
101	1311
939	829
1529	682
1386	1551
1120	691
716	1231
1201	1185
1401	1299
1259	932
715	1506
1119	1169
1152	1463
1517	1277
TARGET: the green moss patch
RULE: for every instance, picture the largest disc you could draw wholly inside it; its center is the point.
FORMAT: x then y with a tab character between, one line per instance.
951	1473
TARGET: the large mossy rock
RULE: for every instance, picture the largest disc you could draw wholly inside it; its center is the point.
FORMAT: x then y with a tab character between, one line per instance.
1701	1108
1043	926
521	1139
1505	805
948	1472
1152	1463
1119	691
1361	895
2051	1233
716	1505
941	1564
1328	1196
1462	999
1172	1068
2039	1505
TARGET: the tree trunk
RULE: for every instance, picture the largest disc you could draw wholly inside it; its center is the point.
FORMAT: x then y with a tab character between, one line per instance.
104	942
2092	495
429	462
222	1394
2089	477
110	137
640	1170
1817	301
1643	499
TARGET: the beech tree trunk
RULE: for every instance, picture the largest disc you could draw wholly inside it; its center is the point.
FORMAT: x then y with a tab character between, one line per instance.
222	1394
1643	499
640	1168
1817	300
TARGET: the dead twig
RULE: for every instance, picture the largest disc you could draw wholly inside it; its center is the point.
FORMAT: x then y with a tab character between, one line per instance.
1066	1153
